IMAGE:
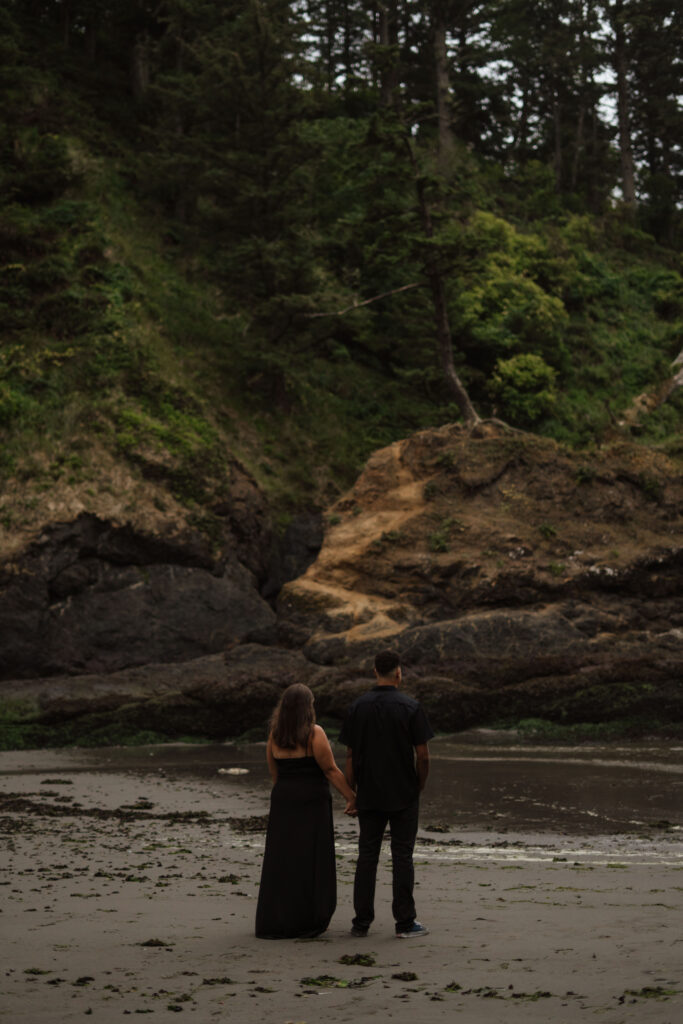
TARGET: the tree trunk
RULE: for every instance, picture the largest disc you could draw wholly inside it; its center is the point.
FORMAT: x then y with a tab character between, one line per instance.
446	141
388	40
581	119
181	202
329	48
91	39
519	145
628	176
595	193
66	22
557	158
139	67
441	322
578	145
445	343
347	59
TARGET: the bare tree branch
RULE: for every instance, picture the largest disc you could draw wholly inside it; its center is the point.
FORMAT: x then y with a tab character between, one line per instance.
366	302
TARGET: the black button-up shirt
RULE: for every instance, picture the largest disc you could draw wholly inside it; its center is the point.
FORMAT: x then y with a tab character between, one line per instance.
382	728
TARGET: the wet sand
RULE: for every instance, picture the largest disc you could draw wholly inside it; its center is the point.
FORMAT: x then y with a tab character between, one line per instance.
129	887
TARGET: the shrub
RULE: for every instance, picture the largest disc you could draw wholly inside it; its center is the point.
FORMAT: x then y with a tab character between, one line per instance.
524	388
43	168
12	404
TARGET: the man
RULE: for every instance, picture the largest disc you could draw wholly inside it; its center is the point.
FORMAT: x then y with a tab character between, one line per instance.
387	762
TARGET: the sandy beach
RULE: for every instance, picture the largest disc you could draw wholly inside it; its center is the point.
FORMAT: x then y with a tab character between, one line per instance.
133	892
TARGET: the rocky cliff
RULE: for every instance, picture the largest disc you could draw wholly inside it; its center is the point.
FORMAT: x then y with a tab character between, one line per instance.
515	577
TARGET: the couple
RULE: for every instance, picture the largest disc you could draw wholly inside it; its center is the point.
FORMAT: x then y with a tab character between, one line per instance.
387	762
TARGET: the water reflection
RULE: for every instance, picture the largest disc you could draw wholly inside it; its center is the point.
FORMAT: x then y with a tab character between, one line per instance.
477	782
551	789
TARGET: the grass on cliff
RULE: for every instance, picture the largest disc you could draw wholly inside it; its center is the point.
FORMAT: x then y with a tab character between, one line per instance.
119	332
119	343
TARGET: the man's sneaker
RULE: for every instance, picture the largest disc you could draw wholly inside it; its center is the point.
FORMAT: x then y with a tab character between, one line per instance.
359	933
416	929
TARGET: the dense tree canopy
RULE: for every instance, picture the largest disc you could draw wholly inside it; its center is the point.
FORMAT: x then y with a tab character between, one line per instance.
514	81
422	188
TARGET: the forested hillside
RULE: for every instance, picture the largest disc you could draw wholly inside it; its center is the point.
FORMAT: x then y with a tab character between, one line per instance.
290	233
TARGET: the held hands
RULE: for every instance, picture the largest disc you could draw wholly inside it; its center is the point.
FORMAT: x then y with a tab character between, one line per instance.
350	808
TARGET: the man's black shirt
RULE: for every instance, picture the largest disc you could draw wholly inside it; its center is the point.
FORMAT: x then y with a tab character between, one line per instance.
383	727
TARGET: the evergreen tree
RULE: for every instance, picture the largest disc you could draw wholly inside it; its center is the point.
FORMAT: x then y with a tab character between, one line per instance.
656	46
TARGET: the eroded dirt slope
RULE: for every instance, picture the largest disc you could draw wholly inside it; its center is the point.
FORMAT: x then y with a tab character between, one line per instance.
441	524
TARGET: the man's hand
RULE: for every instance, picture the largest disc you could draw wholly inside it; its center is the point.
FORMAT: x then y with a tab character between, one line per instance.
422	763
350	808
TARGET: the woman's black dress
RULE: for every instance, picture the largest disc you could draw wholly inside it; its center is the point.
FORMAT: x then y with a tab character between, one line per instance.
298	892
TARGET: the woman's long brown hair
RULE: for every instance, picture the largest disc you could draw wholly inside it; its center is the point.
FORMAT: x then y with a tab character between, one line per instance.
293	718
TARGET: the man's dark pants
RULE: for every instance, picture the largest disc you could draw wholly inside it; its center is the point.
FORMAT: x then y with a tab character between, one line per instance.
403	826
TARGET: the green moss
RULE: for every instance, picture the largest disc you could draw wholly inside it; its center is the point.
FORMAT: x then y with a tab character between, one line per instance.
16	715
619	728
83	733
258	734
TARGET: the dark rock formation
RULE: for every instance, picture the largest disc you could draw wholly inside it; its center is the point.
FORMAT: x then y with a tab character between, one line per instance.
294	552
90	597
515	578
217	696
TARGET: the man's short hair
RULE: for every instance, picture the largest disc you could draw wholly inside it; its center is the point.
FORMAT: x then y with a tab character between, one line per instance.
386	663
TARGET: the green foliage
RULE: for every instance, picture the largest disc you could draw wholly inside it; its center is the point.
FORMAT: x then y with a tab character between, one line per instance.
524	386
507	303
585	475
218	264
40	169
439	539
652	487
664	424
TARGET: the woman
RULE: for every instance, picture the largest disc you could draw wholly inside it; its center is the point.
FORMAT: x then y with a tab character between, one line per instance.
298	892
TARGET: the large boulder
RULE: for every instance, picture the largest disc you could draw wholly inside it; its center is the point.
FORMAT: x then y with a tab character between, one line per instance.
90	596
514	577
217	696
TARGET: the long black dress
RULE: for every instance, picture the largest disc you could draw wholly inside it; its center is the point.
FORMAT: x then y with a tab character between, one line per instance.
298	892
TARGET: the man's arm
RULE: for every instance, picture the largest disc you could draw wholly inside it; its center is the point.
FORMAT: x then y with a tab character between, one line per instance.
348	769
422	763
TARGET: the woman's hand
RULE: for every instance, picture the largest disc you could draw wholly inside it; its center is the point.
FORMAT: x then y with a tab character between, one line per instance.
351	808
